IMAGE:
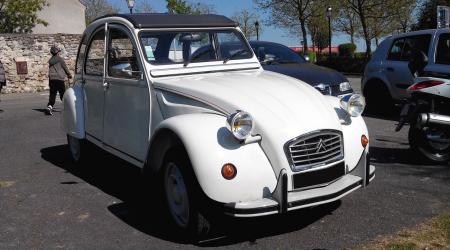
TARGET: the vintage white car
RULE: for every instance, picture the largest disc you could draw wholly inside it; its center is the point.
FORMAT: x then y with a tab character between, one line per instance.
185	98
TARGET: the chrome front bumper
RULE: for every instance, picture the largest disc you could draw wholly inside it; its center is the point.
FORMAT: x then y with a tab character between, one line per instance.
283	201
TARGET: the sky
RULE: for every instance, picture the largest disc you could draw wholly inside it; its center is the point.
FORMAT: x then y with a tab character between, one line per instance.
230	7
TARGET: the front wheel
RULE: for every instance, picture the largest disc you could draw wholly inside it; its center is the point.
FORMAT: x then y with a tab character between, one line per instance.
183	197
419	140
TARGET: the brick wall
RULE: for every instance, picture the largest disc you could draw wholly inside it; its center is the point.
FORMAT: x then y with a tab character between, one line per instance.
35	51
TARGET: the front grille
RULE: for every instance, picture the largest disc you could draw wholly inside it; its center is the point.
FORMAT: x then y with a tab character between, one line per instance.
315	149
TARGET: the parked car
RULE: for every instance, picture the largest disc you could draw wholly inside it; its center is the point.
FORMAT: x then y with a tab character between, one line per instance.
387	77
213	127
281	59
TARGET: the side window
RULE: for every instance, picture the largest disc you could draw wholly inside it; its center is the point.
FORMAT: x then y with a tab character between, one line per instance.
80	58
443	49
414	43
94	62
122	59
396	50
403	48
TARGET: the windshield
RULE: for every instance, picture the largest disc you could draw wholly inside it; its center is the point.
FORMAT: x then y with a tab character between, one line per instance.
184	47
274	53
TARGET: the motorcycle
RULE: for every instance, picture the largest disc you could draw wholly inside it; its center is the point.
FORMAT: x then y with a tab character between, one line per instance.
427	111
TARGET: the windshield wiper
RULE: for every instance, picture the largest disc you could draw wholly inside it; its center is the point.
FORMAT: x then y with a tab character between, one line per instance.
234	55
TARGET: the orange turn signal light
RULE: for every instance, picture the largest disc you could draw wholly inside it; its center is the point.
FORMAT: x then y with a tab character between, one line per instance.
364	141
229	171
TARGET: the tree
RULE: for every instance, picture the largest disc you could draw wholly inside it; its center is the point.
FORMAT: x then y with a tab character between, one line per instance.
291	14
318	30
427	14
347	22
20	16
97	8
144	7
183	7
246	20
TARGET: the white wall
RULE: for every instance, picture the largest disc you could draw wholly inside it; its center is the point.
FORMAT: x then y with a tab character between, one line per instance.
63	16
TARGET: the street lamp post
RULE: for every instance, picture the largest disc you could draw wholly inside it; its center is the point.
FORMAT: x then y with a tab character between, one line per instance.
257	30
329	31
130	5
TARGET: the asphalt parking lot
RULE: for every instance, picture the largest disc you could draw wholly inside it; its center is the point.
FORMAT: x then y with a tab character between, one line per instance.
47	202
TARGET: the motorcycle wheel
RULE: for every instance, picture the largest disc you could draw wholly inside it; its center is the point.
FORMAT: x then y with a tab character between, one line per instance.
431	150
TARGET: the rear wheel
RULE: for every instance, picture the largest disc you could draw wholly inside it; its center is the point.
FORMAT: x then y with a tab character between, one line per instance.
419	139
378	99
183	196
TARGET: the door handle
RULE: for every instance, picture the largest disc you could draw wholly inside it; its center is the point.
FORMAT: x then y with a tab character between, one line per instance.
390	69
105	85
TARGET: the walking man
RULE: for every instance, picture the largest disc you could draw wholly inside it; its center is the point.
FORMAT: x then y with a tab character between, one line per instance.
57	72
2	79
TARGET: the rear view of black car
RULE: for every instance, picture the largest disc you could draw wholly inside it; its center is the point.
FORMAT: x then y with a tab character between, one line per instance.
281	59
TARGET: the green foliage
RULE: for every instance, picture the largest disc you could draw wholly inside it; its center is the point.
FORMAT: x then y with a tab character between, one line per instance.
20	16
178	7
183	7
427	14
98	8
347	49
401	246
354	65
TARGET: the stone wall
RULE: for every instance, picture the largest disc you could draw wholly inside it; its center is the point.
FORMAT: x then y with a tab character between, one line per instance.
35	51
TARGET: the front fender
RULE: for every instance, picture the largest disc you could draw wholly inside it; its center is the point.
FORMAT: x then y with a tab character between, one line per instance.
352	129
72	119
210	145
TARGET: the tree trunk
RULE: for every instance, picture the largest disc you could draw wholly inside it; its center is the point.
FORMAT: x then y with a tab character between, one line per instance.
352	38
362	17
304	34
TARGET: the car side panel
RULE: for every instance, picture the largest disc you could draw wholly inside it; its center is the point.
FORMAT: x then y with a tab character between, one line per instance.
210	145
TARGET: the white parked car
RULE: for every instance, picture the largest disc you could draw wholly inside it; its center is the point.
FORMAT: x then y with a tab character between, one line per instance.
211	126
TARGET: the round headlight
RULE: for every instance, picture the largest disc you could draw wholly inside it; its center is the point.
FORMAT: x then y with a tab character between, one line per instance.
353	104
240	124
345	86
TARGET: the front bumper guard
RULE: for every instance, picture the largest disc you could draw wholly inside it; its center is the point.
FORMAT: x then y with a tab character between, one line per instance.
283	201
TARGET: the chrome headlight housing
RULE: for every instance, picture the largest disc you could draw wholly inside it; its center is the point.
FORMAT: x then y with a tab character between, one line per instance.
345	86
353	104
240	124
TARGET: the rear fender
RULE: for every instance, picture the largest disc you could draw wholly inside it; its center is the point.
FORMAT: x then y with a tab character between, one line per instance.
72	119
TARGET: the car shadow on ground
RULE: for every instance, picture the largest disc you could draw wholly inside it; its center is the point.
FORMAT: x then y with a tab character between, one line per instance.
118	178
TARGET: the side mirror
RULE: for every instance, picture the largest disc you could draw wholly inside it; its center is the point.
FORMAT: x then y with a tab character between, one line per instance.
418	62
261	54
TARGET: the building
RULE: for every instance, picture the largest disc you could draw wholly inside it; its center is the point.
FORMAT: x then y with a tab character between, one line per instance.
62	16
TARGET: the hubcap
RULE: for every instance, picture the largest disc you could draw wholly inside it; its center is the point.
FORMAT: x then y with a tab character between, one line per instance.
74	145
177	195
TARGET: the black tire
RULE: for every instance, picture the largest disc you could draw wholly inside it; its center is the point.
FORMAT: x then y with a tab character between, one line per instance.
438	153
77	149
198	225
378	99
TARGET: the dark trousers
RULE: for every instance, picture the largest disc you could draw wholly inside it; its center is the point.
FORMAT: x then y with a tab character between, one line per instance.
56	86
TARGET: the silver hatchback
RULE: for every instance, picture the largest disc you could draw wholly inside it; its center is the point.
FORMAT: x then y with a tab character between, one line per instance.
386	76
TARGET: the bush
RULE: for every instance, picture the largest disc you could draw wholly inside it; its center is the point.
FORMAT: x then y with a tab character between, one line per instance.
353	65
347	50
311	54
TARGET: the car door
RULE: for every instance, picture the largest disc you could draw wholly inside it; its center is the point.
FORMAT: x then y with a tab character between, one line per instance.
93	85
396	65
127	115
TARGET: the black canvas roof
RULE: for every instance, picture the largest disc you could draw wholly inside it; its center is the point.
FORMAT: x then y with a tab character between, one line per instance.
160	20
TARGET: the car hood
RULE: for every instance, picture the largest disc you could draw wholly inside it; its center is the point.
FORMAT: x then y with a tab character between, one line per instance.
308	73
283	108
